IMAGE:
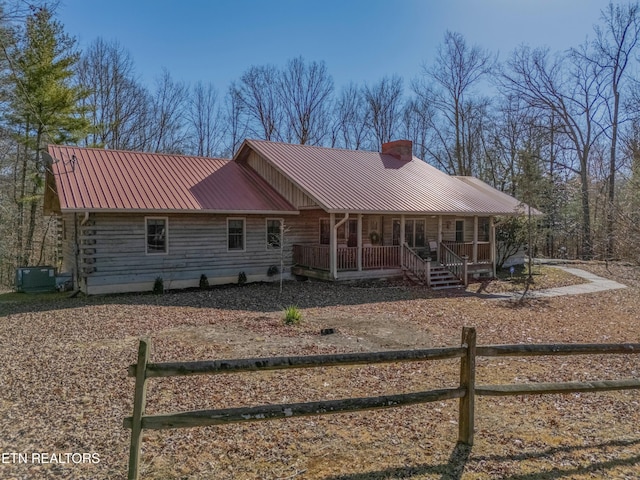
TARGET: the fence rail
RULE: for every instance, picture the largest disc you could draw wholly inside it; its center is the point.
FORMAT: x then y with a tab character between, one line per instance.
465	392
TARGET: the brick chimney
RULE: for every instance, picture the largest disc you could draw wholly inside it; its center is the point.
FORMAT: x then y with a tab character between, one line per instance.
400	149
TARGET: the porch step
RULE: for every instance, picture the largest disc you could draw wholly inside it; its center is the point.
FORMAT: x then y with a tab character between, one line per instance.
442	278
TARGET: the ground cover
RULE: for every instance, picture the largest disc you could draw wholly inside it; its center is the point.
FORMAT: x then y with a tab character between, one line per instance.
64	389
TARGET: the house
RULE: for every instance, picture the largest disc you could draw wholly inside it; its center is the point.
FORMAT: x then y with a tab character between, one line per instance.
128	218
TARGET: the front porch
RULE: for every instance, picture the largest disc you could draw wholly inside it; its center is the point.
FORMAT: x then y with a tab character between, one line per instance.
461	259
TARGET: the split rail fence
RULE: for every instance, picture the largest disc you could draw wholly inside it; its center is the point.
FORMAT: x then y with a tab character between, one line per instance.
465	392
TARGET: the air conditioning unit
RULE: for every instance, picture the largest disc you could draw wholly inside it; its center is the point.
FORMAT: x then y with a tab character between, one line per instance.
35	279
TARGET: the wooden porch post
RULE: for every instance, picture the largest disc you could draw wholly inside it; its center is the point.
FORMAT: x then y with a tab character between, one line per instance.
359	259
402	239
439	237
333	246
474	258
492	246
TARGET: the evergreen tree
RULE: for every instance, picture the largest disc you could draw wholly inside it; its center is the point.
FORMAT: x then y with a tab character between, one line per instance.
44	108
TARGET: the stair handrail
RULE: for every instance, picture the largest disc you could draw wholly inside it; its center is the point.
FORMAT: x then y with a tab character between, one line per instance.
455	264
416	264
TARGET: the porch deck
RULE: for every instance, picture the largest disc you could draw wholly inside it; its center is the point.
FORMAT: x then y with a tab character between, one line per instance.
375	261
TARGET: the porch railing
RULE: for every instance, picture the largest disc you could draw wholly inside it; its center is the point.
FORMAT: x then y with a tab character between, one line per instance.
311	256
347	258
380	257
454	263
466	249
373	257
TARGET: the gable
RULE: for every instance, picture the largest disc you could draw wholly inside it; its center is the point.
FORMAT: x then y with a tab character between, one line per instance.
285	187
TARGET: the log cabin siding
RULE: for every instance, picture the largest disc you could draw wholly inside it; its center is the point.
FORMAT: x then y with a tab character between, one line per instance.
279	182
114	256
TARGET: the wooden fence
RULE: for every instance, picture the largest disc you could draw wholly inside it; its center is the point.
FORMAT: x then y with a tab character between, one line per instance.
466	391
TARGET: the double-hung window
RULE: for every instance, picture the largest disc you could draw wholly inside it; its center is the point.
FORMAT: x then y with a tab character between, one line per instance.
235	234
325	231
156	235
484	229
274	232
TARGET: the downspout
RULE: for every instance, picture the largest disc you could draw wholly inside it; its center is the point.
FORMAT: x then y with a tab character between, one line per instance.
76	255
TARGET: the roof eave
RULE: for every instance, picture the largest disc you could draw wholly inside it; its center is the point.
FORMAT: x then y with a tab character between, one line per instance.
181	211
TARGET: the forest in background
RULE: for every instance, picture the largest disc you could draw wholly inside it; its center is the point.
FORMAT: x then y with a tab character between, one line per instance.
559	130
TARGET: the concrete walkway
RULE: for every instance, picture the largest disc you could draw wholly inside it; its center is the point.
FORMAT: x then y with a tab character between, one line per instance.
595	284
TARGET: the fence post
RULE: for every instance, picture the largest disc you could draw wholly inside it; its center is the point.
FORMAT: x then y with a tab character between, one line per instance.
468	381
138	407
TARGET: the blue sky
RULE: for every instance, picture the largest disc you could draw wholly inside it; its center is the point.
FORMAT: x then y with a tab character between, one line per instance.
361	41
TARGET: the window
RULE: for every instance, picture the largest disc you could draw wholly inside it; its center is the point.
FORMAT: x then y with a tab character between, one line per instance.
414	233
156	235
483	229
395	236
235	233
274	232
347	232
352	233
325	231
459	231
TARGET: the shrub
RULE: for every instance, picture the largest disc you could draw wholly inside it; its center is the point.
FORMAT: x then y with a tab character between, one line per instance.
242	278
204	282
158	286
292	315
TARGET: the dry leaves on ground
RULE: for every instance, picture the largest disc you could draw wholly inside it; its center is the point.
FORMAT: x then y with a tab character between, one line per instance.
64	386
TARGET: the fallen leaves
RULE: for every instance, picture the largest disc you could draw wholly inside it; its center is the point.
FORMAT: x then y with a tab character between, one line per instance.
63	383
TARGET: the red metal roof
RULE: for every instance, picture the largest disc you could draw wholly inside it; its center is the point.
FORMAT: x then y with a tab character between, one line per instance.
96	179
370	182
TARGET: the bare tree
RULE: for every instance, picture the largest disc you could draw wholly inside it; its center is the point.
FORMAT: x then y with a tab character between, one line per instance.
448	85
261	103
417	127
613	48
167	116
116	102
235	120
570	89
384	102
351	119
305	90
204	120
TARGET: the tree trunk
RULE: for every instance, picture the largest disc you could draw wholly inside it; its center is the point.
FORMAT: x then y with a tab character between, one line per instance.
612	177
587	249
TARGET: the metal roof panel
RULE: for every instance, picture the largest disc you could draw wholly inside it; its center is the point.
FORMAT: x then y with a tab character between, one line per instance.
95	179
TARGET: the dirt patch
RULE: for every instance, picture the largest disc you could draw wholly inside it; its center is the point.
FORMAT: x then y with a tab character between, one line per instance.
65	389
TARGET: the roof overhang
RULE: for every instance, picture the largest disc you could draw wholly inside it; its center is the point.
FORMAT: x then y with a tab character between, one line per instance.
178	212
